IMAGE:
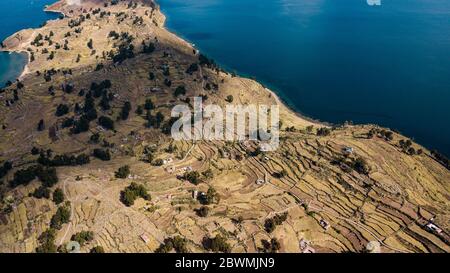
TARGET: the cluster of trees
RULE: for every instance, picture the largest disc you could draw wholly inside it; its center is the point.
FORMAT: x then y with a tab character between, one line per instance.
114	35
47	242
148	49
62	216
193	177
89	111
63	160
272	246
106	122
275	221
38	40
203	211
407	148
441	158
102	154
58	196
176	243
360	165
217	244
83	237
387	135
125	113
192	68
133	192
5	168
46	175
62	110
180	90
154	121
123	172
210	197
324	131
280	174
41	192
205	61
125	51
97	249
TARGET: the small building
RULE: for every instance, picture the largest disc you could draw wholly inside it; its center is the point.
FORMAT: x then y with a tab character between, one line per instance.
145	238
260	181
433	228
195	194
324	224
347	150
305	247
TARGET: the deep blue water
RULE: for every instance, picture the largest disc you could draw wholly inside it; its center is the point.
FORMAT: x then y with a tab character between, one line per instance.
335	60
14	16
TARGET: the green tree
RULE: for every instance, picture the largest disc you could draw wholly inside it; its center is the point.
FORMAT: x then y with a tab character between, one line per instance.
58	196
97	249
83	237
62	216
47	242
123	172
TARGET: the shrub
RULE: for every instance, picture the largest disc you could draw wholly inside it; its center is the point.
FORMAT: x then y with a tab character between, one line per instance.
123	172
58	196
102	154
149	104
360	165
47	176
203	211
97	249
217	244
62	216
106	122
323	131
193	177
275	221
148	48
47	242
180	90
192	68
90	44
5	168
63	160
271	247
23	176
62	110
41	125
176	243
83	237
81	125
125	110
41	192
132	192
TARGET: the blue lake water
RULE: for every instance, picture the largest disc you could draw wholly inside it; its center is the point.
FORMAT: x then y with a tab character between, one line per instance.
14	16
332	60
335	60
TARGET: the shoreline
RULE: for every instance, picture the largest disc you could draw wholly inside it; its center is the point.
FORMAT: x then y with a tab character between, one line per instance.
26	69
52	9
57	8
279	100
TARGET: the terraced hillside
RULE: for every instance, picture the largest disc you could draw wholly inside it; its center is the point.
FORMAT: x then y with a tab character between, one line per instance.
326	189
